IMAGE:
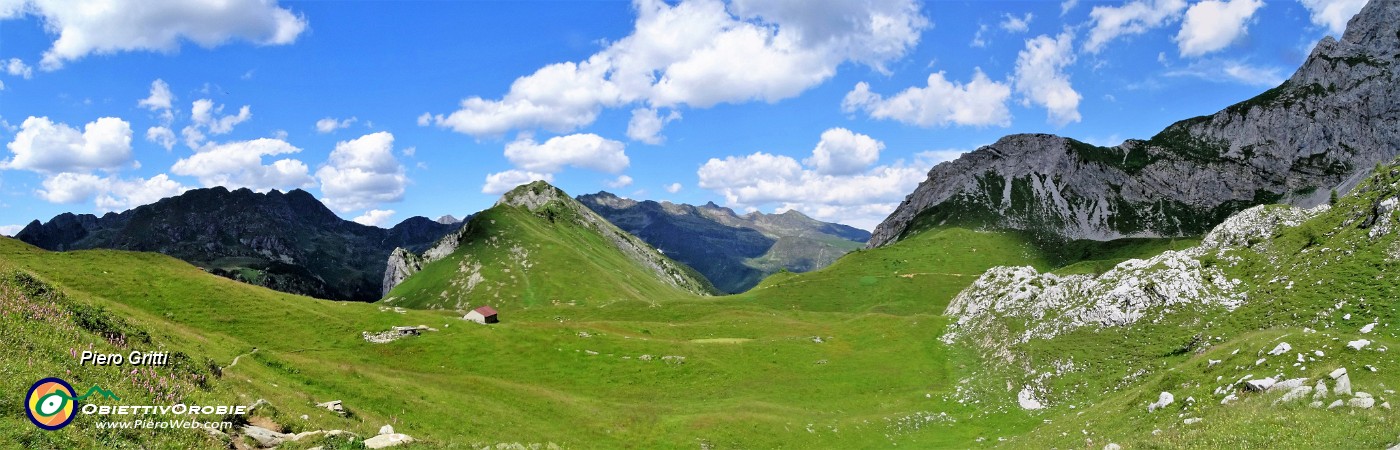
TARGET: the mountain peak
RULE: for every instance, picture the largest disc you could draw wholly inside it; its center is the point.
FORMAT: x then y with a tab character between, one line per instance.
1321	130
533	195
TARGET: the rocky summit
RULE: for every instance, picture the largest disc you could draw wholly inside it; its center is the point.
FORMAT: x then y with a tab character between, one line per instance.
285	241
733	251
1324	128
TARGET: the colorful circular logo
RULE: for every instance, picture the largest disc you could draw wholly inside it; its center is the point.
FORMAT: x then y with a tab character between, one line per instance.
50	404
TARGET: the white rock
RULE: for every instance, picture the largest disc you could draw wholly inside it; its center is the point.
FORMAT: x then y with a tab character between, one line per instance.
1337	373
1259	361
1346	316
387	429
1212	363
1385	405
1228	399
1315	404
1343	385
1288	385
387	440
1358	344
1026	398
1335	404
1320	391
1260	384
1367	329
1163	400
1363	394
1112	446
1319	353
1191	421
1280	349
1295	394
1362	402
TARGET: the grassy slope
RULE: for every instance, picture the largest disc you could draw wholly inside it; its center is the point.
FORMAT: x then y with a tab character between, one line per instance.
526	260
752	375
1338	279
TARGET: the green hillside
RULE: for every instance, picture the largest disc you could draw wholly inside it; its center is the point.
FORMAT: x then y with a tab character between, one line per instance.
848	356
537	247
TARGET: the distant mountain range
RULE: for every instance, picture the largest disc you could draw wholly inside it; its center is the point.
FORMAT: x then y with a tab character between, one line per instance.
1325	128
285	241
733	251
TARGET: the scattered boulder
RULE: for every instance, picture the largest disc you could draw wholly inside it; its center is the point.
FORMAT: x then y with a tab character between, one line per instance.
1362	402
264	436
1295	394
1315	404
1192	420
1337	373
334	406
388	440
1026	398
1358	344
1112	446
1343	385
1367	329
387	429
1335	404
1212	363
1320	391
1260	385
1163	400
1228	399
1289	384
1282	348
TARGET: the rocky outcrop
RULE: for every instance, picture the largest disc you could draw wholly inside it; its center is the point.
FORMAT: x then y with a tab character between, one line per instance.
1045	305
285	241
1323	129
402	264
733	251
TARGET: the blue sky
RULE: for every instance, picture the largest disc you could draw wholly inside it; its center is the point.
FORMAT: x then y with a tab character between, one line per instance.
386	110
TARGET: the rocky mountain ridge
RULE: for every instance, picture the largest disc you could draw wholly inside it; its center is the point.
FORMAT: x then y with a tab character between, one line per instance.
1322	129
733	251
285	241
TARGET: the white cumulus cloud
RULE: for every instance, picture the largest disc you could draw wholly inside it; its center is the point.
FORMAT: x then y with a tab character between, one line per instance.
1041	80
160	98
586	150
362	173
1136	17
161	135
979	102
240	164
842	152
501	182
1212	25
330	124
111	193
622	181
17	68
673	188
646	123
859	198
1333	14
1016	24
111	26
688	54
205	114
44	146
375	217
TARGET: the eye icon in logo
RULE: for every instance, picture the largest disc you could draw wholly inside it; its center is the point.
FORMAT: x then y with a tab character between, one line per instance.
50	404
